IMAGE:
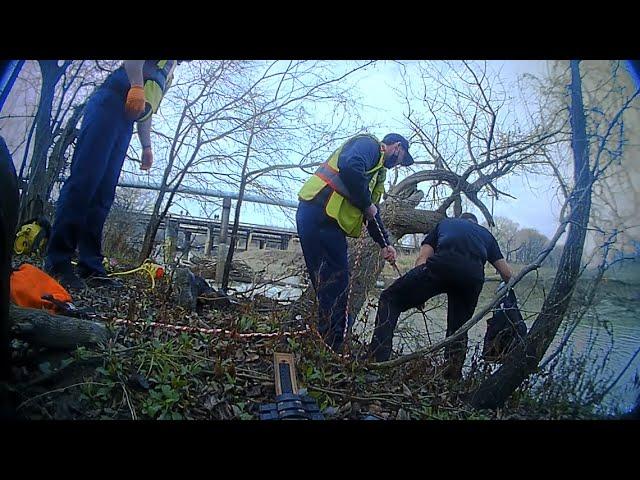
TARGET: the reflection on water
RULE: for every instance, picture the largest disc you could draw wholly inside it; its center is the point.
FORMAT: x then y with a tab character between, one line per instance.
612	326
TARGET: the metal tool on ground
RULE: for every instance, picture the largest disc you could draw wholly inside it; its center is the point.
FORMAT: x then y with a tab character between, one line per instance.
289	405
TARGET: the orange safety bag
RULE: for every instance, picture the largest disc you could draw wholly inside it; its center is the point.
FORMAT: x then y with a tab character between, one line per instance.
29	284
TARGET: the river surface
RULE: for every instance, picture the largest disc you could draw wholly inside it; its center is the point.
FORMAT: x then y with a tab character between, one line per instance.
608	335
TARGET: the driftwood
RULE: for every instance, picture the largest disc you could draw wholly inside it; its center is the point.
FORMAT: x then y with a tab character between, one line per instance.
189	289
55	331
185	288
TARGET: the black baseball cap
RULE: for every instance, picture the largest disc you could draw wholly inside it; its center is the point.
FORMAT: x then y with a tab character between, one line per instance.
395	138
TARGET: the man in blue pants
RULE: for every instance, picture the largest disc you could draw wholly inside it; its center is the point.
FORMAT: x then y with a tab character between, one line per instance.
130	94
333	204
451	261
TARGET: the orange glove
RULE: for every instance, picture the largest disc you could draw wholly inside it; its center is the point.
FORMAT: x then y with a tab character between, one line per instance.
134	106
147	159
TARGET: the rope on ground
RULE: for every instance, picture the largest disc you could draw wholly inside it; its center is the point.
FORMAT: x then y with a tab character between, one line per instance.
211	331
152	269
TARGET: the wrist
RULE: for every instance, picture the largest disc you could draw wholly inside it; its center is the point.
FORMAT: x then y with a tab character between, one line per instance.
147	147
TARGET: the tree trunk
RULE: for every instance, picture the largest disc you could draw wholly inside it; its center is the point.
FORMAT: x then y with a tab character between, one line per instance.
154	222
233	237
35	198
55	331
66	137
522	361
236	217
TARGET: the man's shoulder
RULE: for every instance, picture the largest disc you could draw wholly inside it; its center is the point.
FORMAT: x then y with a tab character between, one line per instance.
365	141
462	224
364	145
485	232
484	229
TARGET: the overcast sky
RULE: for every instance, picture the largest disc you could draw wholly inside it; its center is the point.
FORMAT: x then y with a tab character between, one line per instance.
535	205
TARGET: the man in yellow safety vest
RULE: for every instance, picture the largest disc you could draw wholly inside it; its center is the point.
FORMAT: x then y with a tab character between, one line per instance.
334	203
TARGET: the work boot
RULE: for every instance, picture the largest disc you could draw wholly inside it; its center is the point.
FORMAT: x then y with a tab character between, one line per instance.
95	281
99	279
66	277
454	363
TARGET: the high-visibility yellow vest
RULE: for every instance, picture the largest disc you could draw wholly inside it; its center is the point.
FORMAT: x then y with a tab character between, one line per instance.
348	216
157	78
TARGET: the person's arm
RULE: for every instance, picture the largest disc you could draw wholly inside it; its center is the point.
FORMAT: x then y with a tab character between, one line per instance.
134	104
378	232
355	159
134	71
496	259
428	246
426	251
503	269
144	134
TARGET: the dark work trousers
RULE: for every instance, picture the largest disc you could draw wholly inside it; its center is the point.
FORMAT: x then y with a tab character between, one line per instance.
324	246
88	193
9	200
460	277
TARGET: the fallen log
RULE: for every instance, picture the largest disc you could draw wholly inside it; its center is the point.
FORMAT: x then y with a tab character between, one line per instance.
55	331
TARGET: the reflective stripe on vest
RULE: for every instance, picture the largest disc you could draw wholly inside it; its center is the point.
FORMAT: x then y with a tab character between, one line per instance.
328	172
332	178
339	206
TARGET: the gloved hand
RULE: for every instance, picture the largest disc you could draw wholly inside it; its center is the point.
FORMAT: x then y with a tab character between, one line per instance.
370	212
389	254
134	105
147	158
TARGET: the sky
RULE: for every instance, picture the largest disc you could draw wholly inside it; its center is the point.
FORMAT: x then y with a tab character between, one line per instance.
535	205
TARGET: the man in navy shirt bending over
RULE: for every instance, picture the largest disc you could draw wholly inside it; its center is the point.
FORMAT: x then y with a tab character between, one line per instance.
451	261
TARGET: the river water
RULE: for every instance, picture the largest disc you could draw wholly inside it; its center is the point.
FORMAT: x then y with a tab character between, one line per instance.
608	335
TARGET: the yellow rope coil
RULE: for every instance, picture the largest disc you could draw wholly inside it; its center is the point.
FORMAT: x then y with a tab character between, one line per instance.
152	269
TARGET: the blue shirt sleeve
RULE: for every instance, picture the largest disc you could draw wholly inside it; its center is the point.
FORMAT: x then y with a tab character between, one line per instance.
374	231
493	251
357	157
431	238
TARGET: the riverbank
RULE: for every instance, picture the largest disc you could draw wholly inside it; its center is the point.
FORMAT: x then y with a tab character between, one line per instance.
152	372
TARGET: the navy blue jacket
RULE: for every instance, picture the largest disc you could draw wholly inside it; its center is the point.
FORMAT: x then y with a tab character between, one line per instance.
464	238
358	156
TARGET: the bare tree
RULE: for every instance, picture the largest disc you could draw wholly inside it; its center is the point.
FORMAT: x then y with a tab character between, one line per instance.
505	231
459	126
34	198
524	359
528	243
64	88
211	142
